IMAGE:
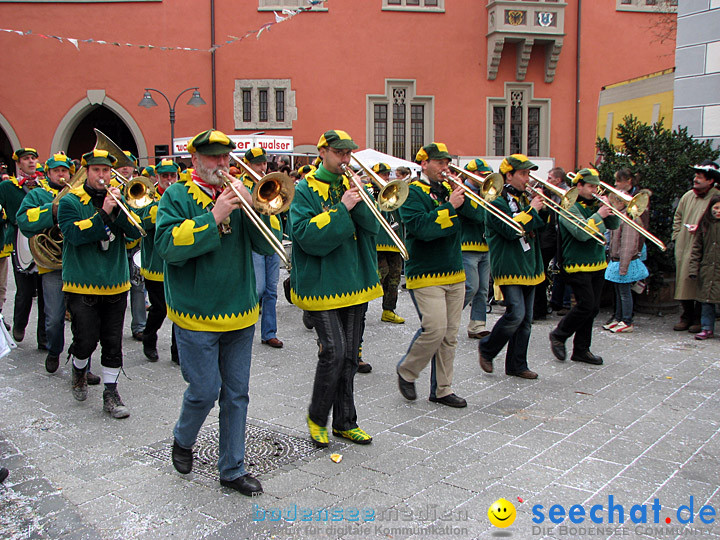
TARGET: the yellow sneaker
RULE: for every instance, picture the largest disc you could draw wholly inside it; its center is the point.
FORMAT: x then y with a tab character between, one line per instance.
318	434
355	435
390	316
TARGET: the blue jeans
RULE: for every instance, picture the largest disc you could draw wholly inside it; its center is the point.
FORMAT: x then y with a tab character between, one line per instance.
707	317
54	311
267	275
477	281
623	302
513	329
216	364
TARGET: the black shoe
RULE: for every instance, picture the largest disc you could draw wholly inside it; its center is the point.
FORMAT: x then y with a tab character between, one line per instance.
364	367
182	458
451	400
3	474
137	336
306	321
17	334
407	389
52	362
558	348
525	374
150	353
247	485
92	379
485	364
587	357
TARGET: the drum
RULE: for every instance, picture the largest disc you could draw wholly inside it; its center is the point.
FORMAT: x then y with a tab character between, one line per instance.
135	276
22	256
137	259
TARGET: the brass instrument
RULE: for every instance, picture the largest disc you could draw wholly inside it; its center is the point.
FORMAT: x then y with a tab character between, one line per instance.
371	204
104	142
567	200
634	208
490	187
273	194
392	193
139	192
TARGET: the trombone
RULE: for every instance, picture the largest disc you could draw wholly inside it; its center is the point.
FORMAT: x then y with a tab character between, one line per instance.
371	204
272	195
635	207
392	193
139	192
490	188
567	200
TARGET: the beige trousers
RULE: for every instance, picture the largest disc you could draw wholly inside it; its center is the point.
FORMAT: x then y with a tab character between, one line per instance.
440	309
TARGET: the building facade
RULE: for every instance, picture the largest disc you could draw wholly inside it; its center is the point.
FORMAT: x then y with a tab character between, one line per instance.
488	78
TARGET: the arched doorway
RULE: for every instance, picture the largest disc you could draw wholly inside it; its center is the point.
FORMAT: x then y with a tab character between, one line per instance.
83	138
6	152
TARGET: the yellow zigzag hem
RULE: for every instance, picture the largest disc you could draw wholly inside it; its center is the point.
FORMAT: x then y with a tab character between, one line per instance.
417	282
198	194
519	280
387	247
572	269
132	244
474	246
335	301
216	323
94	289
152	276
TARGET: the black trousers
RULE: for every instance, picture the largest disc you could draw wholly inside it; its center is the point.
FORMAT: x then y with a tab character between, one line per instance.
98	319
339	334
541	304
587	287
156	315
27	286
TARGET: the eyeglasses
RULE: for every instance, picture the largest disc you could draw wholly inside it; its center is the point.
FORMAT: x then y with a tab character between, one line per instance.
341	153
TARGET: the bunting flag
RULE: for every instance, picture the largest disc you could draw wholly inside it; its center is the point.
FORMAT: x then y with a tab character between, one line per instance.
284	16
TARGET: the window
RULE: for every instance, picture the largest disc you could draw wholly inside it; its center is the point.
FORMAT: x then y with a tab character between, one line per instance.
414	5
264	104
273	5
407	128
520	122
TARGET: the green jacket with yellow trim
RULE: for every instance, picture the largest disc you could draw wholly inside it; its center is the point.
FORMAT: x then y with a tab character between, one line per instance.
209	277
334	261
384	242
473	231
432	235
515	260
580	253
11	197
35	214
87	268
151	264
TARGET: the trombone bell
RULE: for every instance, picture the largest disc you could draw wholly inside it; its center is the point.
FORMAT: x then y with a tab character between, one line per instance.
273	193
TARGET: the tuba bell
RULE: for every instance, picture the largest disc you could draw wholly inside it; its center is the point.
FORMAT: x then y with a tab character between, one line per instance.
46	248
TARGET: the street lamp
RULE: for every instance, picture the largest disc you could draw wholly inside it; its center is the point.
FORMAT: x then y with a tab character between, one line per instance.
147	101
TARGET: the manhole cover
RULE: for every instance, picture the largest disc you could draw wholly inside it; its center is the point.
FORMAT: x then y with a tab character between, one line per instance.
265	450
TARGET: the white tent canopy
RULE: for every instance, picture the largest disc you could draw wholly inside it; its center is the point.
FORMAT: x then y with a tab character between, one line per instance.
370	157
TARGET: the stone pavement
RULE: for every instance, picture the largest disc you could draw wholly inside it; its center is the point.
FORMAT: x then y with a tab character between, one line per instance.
639	428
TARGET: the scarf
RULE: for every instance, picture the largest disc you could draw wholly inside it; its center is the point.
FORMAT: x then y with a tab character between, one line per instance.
211	190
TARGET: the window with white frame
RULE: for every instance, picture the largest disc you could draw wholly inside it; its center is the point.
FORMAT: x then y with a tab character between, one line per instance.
519	122
414	5
274	5
400	122
264	104
653	6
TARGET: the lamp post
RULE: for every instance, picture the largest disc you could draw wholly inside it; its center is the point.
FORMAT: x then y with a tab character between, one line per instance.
147	101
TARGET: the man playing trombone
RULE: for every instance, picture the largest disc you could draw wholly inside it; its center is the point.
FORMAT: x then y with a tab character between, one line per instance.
583	264
434	274
516	265
334	276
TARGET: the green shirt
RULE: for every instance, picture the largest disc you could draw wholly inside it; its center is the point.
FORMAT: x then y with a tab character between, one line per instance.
35	214
87	267
514	260
11	197
151	264
209	277
334	261
580	253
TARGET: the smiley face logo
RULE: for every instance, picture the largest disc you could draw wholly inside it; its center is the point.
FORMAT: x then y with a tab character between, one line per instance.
502	513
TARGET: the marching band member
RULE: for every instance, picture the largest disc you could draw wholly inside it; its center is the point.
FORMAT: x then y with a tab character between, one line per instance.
27	284
37	215
434	275
137	285
151	269
267	267
390	261
516	266
476	260
334	238
201	233
95	276
583	264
